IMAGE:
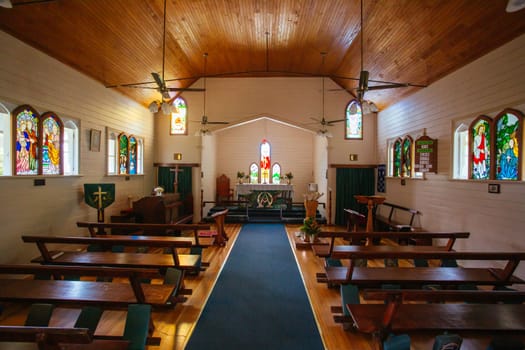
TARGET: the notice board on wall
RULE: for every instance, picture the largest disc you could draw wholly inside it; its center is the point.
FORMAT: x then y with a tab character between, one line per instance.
425	155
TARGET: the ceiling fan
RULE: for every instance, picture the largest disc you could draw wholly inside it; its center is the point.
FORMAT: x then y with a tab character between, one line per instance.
8	4
364	80
204	120
324	123
166	100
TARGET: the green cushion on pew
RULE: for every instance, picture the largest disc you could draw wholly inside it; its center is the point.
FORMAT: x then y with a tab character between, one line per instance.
89	318
349	295
173	276
136	329
449	263
397	342
332	262
420	262
39	315
447	342
197	251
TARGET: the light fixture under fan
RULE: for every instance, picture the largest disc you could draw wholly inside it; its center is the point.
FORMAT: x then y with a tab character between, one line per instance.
166	100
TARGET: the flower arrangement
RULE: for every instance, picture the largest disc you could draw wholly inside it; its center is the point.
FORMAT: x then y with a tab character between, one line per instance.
240	175
158	190
310	227
288	176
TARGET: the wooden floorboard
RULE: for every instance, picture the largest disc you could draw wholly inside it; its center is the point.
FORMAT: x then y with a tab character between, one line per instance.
175	326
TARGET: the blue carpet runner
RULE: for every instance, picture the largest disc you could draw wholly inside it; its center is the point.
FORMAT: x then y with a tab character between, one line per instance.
259	300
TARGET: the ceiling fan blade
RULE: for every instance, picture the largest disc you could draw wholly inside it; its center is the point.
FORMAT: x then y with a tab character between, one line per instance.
185	89
330	122
6	4
158	80
387	86
218	123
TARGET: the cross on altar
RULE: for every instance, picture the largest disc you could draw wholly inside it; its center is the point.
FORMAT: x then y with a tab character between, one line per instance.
176	170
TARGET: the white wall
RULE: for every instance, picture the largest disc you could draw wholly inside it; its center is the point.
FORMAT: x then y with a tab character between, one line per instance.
28	76
486	86
292	101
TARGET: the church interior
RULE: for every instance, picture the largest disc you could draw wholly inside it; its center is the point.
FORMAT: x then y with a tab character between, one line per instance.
232	113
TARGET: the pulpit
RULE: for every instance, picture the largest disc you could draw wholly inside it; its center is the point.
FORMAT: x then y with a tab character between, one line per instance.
153	210
370	201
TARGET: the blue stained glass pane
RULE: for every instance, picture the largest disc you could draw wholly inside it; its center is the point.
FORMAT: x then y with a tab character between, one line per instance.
507	158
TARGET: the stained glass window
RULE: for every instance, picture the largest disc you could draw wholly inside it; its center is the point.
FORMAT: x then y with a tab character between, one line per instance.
407	157
508	140
123	154
53	134
276	173
265	162
354	121
254	173
396	170
132	156
480	150
26	129
179	121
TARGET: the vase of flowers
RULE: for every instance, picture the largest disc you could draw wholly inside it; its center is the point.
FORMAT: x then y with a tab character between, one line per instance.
310	229
240	176
158	190
288	177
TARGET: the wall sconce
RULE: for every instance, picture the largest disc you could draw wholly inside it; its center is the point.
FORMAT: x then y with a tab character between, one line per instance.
353	157
177	156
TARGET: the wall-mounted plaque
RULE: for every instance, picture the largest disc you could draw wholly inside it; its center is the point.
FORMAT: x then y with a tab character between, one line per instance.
426	155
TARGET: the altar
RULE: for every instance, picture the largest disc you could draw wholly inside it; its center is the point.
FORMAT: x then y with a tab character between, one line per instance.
264	195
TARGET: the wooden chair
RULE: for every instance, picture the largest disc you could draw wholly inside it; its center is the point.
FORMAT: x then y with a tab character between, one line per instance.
224	192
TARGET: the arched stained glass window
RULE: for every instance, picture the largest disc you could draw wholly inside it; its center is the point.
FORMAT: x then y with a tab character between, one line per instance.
179	121
397	154
26	137
354	121
123	153
132	156
254	173
276	173
461	154
480	135
508	140
265	162
53	136
407	157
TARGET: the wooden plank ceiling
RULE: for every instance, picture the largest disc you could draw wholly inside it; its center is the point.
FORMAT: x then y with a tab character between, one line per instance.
121	41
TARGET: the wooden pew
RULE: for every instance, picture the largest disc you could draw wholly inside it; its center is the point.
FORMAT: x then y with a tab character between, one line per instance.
108	258
374	277
326	251
52	338
98	228
482	312
219	218
390	222
17	287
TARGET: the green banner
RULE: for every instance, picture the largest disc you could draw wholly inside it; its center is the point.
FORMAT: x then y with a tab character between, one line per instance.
99	196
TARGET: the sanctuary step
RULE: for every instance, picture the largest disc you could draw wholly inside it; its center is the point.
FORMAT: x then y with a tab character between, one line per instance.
293	215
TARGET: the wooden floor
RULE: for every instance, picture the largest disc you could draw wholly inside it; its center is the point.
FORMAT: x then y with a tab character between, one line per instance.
175	326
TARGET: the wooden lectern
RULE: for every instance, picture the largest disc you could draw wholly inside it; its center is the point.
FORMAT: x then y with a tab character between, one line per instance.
370	201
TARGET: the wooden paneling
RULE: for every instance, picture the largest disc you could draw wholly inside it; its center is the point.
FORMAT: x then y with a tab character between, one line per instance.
120	41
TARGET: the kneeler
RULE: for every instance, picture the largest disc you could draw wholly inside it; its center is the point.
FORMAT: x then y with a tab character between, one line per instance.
397	342
39	315
447	342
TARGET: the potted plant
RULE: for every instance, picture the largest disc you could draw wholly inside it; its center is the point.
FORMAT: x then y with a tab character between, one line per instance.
310	229
288	177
